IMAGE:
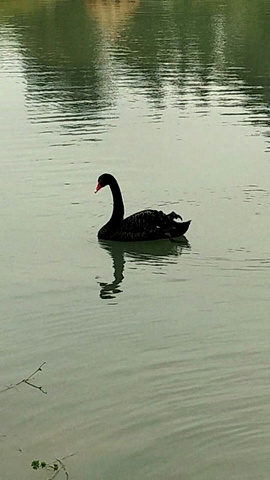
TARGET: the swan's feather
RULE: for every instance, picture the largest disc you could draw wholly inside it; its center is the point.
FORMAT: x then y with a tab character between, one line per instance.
146	225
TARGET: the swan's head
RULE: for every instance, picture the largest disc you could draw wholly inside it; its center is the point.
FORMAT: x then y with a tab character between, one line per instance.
103	180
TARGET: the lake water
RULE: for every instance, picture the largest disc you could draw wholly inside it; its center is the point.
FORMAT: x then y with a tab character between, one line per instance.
157	354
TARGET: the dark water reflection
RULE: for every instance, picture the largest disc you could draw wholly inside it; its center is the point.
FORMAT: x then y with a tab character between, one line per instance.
76	55
158	253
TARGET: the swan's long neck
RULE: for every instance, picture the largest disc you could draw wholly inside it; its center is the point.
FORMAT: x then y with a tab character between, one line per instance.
118	205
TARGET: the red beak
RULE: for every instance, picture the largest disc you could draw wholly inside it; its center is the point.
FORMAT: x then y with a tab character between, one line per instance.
98	187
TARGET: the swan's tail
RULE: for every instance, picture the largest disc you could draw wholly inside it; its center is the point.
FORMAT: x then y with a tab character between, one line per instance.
178	229
173	216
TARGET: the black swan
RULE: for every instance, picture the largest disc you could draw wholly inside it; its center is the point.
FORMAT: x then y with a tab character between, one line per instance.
143	225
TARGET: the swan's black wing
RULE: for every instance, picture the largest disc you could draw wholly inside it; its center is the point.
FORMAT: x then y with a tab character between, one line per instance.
150	225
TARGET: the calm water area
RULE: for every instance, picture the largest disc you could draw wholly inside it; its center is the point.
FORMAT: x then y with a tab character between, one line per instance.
157	353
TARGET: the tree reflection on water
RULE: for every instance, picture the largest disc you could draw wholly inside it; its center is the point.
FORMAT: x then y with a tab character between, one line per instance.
76	55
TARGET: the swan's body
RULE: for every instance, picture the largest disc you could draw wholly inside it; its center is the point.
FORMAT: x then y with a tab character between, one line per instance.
143	225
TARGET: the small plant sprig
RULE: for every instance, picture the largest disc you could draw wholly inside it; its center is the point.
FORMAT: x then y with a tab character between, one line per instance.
27	381
54	468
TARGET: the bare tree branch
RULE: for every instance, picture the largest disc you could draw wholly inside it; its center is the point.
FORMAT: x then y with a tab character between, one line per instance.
26	380
55	467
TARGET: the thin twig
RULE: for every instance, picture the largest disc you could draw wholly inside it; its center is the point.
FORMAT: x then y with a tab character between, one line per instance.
68	456
8	387
55	467
39	369
55	474
35	386
26	380
63	467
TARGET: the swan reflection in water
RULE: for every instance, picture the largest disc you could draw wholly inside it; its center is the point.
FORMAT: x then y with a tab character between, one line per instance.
157	253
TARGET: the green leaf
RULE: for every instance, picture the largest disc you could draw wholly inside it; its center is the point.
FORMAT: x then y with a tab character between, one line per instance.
35	464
